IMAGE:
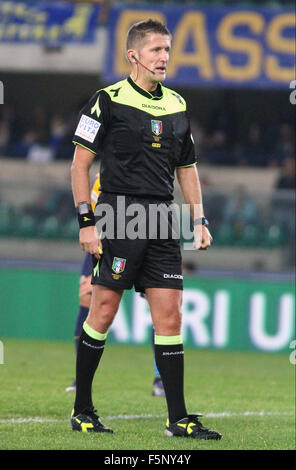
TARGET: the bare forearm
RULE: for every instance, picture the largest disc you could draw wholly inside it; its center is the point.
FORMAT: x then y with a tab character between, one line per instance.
190	185
80	175
88	236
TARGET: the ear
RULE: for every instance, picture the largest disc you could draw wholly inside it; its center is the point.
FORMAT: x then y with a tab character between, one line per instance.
132	56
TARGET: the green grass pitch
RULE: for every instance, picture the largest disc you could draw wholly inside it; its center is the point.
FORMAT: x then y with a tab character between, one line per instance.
248	397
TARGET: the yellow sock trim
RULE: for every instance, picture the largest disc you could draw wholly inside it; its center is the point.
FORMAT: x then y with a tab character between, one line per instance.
168	340
93	333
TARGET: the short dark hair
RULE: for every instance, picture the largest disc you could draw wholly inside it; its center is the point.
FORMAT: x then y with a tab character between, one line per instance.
139	30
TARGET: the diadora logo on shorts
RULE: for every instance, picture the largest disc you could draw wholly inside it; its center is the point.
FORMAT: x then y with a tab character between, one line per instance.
118	265
173	276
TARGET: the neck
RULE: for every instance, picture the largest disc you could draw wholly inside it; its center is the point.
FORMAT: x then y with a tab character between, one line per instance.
145	84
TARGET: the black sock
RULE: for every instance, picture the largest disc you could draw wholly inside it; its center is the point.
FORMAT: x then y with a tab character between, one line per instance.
89	353
170	363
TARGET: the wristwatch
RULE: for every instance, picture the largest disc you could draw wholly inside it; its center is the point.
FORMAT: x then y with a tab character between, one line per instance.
83	208
85	215
201	221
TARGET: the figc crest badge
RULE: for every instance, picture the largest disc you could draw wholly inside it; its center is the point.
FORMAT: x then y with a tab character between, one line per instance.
118	265
156	127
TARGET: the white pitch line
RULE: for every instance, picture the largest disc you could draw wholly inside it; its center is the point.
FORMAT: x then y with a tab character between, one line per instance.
30	420
223	414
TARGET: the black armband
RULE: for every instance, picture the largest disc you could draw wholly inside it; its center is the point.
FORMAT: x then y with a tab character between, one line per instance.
85	215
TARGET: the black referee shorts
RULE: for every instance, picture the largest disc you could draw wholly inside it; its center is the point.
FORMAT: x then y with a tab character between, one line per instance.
151	259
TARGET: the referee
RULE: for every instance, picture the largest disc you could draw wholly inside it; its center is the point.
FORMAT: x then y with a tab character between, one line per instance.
140	130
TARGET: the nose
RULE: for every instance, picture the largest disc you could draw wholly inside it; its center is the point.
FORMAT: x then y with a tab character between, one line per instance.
164	55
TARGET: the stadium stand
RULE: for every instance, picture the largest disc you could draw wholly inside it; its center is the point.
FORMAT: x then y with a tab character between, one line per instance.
233	128
45	137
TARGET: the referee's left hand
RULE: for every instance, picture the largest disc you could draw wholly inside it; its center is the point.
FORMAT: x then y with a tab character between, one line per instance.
202	237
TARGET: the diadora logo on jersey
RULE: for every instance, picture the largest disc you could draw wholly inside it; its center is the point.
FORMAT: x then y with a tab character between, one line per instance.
118	265
152	106
156	127
87	128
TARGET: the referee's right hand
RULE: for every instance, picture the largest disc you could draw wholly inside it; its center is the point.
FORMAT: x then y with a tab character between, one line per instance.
90	241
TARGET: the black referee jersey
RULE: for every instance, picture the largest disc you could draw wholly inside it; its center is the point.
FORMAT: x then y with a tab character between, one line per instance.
140	137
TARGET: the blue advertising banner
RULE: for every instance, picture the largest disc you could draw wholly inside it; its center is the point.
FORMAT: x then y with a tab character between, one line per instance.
47	22
214	46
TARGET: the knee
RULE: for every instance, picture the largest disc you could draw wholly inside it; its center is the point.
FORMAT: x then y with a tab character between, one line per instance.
174	321
107	312
102	313
170	324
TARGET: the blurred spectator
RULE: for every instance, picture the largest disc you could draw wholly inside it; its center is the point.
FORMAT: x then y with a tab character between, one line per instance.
4	134
254	149
240	210
222	130
39	121
58	130
287	177
41	151
10	127
285	143
65	148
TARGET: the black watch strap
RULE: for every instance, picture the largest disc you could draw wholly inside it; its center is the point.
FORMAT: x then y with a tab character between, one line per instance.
85	215
201	221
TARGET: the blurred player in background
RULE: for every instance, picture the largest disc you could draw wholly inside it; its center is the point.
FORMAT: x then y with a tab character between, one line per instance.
85	291
142	133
